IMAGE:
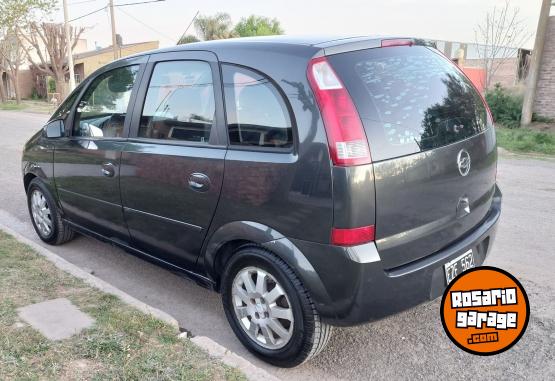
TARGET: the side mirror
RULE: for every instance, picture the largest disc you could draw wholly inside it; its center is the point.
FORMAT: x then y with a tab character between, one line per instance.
54	129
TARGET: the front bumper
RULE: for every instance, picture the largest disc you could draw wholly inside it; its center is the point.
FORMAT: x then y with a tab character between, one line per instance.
361	290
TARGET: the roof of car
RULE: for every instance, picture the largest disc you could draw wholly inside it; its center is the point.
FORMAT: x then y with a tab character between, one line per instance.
307	40
328	44
318	41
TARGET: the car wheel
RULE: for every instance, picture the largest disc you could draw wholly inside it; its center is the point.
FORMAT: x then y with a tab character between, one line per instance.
45	216
270	310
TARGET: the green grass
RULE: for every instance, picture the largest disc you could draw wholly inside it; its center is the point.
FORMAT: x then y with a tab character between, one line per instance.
123	344
12	106
27	105
525	140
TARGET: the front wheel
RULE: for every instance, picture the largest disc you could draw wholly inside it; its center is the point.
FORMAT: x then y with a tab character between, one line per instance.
45	215
270	310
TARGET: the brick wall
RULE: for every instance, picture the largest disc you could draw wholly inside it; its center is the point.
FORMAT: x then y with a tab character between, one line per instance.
506	74
545	93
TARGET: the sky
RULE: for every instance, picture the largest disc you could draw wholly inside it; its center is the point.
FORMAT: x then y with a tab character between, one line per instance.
453	20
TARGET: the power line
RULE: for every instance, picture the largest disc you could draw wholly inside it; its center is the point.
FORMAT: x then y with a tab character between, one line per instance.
188	26
115	5
137	3
88	14
146	25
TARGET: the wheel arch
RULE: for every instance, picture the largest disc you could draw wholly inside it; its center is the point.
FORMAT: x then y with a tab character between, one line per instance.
223	243
32	170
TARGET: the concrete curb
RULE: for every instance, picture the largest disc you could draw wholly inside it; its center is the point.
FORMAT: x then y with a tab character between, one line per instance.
91	280
214	350
223	354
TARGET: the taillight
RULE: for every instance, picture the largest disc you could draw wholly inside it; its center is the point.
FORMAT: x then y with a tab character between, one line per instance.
346	137
397	42
354	236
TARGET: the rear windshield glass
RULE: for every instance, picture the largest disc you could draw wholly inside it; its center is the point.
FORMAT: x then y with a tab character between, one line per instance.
410	99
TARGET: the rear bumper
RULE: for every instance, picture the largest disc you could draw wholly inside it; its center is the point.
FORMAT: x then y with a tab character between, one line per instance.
361	290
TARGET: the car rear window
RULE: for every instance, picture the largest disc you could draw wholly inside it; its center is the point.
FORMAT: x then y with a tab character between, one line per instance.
410	99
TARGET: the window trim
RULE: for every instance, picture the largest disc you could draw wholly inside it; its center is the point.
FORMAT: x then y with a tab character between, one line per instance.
215	139
285	99
88	83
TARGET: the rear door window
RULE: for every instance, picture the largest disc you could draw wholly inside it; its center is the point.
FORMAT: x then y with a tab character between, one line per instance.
256	112
179	104
410	99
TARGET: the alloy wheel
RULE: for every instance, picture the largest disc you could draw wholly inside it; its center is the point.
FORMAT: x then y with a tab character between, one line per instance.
40	211
262	308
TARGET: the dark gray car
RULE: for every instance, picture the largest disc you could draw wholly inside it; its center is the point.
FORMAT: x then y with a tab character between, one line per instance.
312	182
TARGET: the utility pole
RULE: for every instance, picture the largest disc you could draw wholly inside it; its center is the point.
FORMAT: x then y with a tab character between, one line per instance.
68	48
114	39
537	53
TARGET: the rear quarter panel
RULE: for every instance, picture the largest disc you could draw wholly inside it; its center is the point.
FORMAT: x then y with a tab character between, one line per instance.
290	192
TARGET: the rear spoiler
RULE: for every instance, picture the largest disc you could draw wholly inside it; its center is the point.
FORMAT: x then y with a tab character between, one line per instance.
371	43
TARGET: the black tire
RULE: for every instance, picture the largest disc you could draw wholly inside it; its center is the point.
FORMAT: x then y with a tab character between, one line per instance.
60	231
310	334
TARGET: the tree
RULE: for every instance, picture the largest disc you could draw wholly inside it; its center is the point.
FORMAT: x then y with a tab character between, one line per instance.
187	39
500	34
48	42
258	26
14	14
215	27
12	56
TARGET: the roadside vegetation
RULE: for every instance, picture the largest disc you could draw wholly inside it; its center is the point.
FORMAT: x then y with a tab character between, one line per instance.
526	140
35	106
123	344
506	107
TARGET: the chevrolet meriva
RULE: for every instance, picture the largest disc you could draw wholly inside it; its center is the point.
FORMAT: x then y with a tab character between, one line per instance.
312	182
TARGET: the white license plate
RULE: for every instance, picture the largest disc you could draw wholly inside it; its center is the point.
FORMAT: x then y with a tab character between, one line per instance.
458	265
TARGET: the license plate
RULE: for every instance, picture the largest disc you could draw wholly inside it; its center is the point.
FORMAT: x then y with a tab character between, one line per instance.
458	265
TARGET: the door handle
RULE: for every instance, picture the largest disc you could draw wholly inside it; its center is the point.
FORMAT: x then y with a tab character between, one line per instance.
199	182
108	169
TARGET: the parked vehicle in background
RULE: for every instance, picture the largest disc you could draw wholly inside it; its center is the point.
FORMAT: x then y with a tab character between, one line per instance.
312	182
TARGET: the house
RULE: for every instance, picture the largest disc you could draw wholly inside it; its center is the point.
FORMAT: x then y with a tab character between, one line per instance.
34	82
27	76
512	68
85	63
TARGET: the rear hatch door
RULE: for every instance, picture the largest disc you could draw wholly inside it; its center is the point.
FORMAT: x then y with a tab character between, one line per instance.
432	144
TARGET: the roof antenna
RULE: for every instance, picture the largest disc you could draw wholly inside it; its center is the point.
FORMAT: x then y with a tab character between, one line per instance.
188	26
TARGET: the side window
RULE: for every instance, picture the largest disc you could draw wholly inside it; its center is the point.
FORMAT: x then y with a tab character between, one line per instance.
65	107
256	112
179	103
101	111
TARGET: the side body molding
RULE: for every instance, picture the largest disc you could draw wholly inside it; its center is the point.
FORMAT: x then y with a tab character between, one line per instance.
273	241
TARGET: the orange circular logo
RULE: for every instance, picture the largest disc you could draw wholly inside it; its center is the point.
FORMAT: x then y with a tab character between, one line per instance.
485	311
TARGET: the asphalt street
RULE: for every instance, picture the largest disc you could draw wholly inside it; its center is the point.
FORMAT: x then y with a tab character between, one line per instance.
410	345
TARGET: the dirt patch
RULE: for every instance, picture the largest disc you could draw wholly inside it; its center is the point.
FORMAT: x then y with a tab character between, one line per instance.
81	369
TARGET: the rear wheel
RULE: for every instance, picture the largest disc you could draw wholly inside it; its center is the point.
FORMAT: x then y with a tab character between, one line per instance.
45	216
269	309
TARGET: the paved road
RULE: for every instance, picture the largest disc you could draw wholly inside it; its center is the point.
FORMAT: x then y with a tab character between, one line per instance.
409	345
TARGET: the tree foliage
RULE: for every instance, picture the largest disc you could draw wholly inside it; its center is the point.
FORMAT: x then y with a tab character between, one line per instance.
215	27
187	39
14	16
16	13
258	26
